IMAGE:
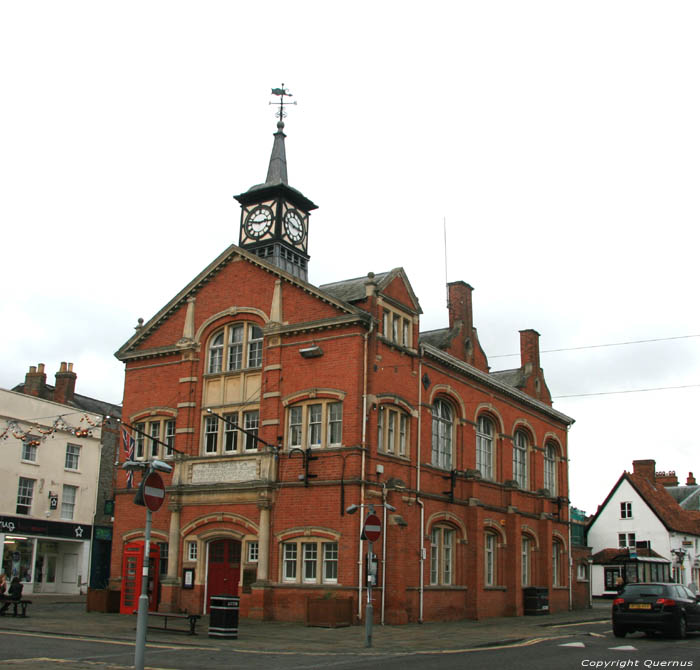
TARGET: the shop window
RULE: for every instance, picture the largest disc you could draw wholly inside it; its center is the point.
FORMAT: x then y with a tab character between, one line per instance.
238	346
25	493
392	431
72	456
68	498
17	559
315	424
442	541
520	453
310	561
443	433
484	447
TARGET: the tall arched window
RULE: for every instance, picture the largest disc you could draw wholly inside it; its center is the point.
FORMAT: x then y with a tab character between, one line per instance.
443	426
558	563
520	443
442	542
550	468
490	558
525	560
484	447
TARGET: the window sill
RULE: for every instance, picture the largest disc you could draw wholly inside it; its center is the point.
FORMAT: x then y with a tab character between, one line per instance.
25	462
442	587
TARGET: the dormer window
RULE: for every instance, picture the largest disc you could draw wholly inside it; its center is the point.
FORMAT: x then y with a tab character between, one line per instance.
396	328
235	347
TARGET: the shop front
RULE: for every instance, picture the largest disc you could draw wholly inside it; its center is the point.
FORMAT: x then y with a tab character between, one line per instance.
47	556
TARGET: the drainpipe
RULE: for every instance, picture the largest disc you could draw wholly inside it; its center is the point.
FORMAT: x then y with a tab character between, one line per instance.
571	563
384	529
421	548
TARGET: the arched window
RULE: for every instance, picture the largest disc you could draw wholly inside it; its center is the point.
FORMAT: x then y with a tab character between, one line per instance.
558	565
239	345
490	558
526	560
484	447
443	427
442	542
392	431
550	468
520	444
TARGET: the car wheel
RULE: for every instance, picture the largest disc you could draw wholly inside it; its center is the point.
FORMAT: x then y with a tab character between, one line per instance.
681	628
619	631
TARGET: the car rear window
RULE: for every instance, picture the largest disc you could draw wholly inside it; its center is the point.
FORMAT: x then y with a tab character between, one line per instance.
641	590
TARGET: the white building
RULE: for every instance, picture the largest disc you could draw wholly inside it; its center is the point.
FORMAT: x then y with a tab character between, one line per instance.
641	533
50	474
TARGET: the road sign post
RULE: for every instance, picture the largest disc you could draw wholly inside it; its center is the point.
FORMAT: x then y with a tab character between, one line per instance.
370	532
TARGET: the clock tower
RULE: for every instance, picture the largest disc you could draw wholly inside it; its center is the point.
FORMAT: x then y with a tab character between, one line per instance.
275	216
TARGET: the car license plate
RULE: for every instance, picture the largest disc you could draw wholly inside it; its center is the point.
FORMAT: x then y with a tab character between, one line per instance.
640	606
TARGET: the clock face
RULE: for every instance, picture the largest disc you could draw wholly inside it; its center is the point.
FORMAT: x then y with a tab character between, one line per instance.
294	226
258	222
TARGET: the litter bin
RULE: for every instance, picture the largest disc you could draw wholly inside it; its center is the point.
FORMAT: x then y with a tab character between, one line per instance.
223	616
536	600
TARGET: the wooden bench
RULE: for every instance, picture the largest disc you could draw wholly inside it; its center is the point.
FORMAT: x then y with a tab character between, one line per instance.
192	619
22	603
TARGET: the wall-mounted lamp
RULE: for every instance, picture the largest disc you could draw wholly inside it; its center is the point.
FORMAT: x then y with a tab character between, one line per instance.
311	352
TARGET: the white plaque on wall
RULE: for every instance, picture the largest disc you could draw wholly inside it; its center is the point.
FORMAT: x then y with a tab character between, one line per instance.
225	471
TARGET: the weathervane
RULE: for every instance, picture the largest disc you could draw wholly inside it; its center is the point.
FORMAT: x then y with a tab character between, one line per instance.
282	92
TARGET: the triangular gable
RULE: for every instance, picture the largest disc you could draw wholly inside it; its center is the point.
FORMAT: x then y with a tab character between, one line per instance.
395	285
653	498
231	253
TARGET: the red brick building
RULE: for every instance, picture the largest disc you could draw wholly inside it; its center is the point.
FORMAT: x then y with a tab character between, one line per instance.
474	462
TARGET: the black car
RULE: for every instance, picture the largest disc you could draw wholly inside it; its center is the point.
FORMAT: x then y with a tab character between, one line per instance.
667	608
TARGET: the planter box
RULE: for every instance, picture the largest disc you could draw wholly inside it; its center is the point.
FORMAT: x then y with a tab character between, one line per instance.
329	612
103	600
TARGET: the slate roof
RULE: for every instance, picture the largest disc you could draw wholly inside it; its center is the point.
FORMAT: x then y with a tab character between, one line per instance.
616	555
514	377
81	402
439	338
688	497
350	290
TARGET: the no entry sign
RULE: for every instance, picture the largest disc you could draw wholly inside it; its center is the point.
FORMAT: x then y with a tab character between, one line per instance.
153	491
372	528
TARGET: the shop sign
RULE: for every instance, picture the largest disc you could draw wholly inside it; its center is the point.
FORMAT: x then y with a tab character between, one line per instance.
74	531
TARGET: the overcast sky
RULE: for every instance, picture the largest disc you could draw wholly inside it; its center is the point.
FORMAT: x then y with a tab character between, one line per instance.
558	140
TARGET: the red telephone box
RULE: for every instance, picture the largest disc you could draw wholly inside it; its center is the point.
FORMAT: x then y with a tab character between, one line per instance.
132	569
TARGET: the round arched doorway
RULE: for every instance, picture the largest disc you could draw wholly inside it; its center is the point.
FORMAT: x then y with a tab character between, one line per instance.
223	568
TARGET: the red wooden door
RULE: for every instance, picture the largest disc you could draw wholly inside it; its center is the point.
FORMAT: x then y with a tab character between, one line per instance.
224	568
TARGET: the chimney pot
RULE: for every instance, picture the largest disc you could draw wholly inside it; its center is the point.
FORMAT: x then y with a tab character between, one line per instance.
691	480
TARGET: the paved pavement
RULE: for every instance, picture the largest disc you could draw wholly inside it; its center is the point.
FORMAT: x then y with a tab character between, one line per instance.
67	616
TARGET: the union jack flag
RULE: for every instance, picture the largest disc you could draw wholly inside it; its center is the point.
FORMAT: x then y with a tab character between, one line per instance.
129	446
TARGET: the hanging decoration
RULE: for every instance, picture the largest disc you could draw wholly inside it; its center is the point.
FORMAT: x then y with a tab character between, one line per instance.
28	435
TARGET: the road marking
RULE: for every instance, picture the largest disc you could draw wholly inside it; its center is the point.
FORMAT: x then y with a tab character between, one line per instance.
625	647
582	623
100	640
573	644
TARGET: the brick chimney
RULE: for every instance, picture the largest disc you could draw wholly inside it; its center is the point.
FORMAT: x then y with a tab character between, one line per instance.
460	306
645	469
65	384
530	349
35	381
667	478
691	480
